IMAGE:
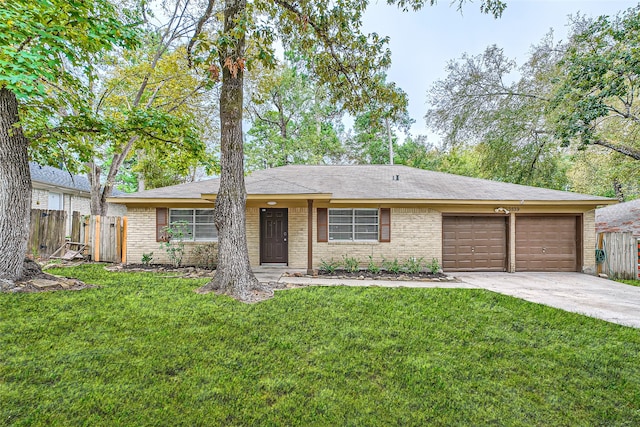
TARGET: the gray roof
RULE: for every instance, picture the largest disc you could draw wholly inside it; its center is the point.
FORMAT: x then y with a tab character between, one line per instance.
60	178
369	182
623	217
54	176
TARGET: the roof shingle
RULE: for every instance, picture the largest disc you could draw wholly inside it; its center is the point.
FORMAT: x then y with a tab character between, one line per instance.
623	217
370	182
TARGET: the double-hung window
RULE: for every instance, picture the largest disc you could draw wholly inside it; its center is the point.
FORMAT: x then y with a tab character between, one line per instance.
198	223
353	224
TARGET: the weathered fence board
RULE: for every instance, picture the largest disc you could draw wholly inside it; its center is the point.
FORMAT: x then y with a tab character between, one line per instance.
104	236
47	232
621	251
76	224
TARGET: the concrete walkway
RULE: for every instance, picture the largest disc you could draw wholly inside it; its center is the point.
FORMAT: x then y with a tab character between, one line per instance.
575	292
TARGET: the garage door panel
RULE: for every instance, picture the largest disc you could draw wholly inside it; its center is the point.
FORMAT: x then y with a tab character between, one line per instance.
546	243
474	243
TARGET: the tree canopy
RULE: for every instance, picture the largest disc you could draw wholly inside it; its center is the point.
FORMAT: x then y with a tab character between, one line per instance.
46	45
529	124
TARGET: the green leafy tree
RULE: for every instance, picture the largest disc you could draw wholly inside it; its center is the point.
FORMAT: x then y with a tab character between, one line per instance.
145	109
339	55
177	103
479	107
375	138
600	171
531	124
292	121
596	102
418	153
44	45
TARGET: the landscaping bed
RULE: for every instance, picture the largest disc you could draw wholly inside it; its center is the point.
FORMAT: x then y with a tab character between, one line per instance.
382	275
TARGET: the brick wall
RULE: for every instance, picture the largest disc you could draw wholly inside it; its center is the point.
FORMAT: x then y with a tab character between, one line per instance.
39	199
415	232
589	242
253	235
141	238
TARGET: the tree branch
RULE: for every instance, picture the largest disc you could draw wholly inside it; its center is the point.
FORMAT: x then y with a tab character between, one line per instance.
326	40
627	151
203	20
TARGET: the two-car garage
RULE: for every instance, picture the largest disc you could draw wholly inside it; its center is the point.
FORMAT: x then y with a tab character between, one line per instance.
481	243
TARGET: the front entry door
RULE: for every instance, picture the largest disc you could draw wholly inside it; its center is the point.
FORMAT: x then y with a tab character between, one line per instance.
274	236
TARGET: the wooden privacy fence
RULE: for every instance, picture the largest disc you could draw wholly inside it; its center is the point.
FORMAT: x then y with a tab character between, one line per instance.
621	255
105	237
47	232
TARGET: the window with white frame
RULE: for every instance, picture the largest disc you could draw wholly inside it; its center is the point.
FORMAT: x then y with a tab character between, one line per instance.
198	223
353	224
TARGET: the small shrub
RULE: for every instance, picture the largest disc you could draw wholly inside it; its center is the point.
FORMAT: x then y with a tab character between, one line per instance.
434	266
350	264
206	255
412	265
391	266
174	246
372	267
147	258
329	266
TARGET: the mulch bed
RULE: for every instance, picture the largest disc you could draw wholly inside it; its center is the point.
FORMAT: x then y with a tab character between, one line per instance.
382	275
184	272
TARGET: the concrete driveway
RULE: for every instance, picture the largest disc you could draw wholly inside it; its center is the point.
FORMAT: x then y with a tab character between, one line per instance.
579	293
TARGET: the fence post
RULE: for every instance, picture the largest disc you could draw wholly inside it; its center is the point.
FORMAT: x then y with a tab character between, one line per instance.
124	240
96	239
118	251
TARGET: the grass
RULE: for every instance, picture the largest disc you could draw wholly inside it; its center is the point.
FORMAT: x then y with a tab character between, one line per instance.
629	282
146	350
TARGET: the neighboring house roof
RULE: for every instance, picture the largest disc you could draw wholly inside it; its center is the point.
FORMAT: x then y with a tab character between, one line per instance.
366	182
623	217
58	178
55	177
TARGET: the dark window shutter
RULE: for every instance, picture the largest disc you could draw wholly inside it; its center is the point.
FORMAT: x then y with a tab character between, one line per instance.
162	221
323	225
385	225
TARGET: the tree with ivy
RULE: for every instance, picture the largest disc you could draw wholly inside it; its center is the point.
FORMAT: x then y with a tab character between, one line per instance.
44	45
342	58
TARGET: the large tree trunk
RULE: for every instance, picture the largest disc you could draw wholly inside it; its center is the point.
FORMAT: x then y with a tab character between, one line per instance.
15	190
233	276
98	203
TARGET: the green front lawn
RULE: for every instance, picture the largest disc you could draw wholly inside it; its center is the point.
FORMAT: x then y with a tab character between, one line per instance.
147	350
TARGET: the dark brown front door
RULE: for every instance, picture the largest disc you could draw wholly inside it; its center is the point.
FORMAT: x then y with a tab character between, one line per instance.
474	243
274	236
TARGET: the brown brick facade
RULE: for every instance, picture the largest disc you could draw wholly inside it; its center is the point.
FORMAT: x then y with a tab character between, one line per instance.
415	232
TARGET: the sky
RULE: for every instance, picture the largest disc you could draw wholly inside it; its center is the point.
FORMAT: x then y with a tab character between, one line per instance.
423	42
